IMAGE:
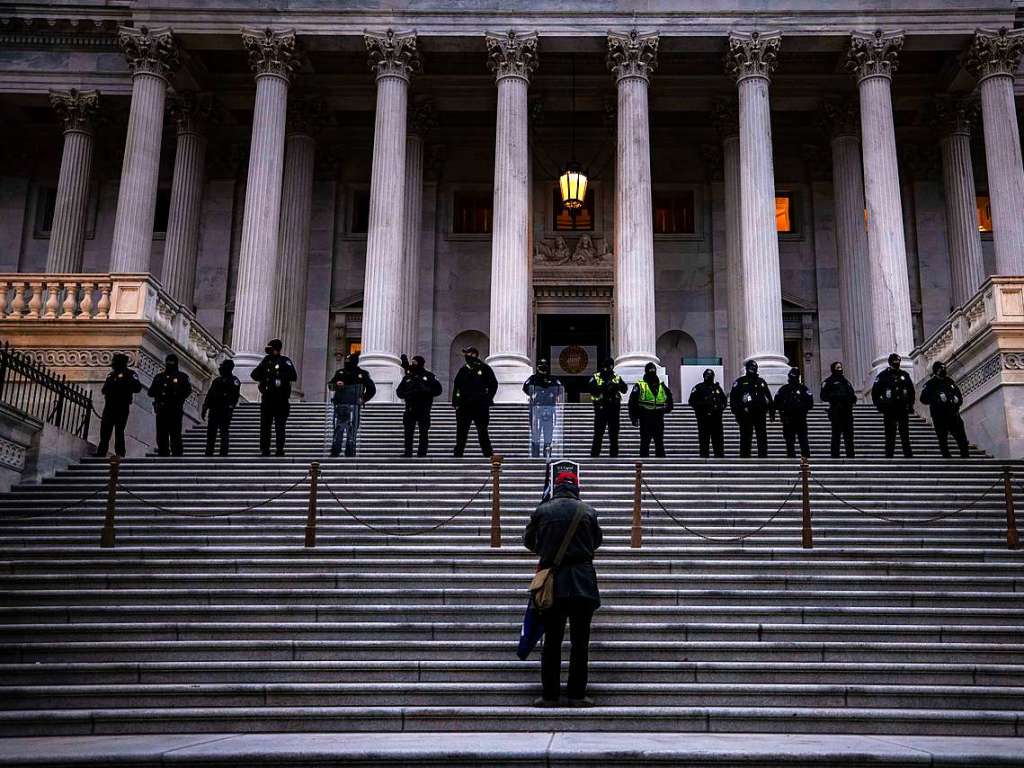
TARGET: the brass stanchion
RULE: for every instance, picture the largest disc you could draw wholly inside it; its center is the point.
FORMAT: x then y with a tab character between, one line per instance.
807	540
637	533
107	537
496	501
1012	537
314	474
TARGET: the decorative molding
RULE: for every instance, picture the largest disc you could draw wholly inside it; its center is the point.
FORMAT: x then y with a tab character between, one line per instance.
12	455
955	114
512	54
78	109
81	34
270	52
874	54
841	118
632	54
994	52
194	111
752	55
149	51
393	54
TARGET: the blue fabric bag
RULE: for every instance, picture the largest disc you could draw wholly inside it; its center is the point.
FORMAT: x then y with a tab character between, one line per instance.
531	633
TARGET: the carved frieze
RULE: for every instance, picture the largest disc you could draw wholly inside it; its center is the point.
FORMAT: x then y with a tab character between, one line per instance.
556	259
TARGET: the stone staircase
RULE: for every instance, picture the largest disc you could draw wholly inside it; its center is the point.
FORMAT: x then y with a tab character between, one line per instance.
201	623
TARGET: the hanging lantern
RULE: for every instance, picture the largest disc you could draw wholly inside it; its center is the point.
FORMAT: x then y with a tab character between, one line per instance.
573	185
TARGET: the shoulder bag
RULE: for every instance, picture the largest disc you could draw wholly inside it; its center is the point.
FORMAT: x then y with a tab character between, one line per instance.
542	587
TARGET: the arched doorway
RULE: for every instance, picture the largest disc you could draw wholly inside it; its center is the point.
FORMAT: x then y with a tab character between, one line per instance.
672	347
465	339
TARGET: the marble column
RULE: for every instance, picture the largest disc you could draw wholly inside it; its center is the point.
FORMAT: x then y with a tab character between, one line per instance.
751	60
273	58
632	58
191	112
67	234
152	56
872	59
727	124
856	328
993	59
421	120
305	117
967	266
394	58
512	57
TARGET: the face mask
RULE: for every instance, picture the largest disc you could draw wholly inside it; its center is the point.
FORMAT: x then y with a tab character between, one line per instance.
470	359
838	371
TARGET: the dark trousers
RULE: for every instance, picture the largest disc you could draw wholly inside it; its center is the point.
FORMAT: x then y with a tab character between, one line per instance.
749	425
793	430
710	433
114	420
579	614
273	412
652	427
464	417
606	417
842	427
168	431
411	420
218	422
893	422
951	424
346	429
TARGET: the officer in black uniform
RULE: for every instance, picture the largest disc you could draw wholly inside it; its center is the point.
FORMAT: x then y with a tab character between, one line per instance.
793	402
418	389
543	389
219	403
708	402
606	391
120	385
169	390
275	375
351	387
472	395
649	401
838	392
750	401
893	395
943	398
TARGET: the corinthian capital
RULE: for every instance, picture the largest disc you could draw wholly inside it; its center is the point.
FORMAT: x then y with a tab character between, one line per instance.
270	52
193	112
995	52
874	54
393	54
149	51
512	54
79	109
752	55
955	115
842	118
307	115
632	54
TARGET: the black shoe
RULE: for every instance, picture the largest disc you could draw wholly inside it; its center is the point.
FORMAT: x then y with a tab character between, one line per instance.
264	453
407	455
585	703
279	453
540	701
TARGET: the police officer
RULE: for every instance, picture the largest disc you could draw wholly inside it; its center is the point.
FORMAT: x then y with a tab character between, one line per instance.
275	375
649	401
750	401
169	390
473	394
544	391
351	387
708	402
893	395
838	392
120	385
943	398
793	402
606	391
219	403
418	389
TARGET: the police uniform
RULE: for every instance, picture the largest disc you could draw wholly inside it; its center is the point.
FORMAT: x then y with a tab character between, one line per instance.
418	389
472	394
275	375
943	398
708	402
606	391
544	391
837	391
169	390
649	401
218	408
118	388
893	395
793	402
750	402
352	387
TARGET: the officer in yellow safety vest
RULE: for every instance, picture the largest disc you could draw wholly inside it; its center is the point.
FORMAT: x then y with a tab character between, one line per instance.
606	391
649	401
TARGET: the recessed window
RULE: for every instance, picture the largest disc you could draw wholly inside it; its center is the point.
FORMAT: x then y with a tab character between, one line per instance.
46	203
472	211
786	213
584	219
984	203
674	212
359	223
163	211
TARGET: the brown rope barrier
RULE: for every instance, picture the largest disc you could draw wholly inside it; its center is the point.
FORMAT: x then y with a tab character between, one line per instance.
183	513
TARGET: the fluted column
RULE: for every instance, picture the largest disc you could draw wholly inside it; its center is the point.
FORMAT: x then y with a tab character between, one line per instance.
993	59
191	112
152	57
421	120
394	57
304	119
872	59
965	259
512	57
751	59
67	234
632	58
851	242
728	126
273	59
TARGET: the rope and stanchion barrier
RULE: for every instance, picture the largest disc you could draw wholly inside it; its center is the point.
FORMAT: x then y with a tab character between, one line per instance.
636	534
806	536
108	536
1012	537
496	501
314	475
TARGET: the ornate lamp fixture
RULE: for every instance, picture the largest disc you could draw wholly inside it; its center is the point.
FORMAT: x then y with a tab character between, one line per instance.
573	181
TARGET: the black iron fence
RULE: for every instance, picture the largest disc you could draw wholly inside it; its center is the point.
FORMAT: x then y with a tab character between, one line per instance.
35	391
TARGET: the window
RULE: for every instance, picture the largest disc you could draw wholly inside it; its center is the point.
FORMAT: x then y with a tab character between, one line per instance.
359	223
46	203
472	211
984	213
163	211
786	220
674	212
355	347
563	222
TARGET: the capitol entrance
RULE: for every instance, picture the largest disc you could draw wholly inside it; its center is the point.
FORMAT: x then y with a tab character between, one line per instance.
575	346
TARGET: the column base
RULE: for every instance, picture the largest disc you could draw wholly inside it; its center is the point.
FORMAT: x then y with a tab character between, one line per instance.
511	371
245	362
631	367
386	372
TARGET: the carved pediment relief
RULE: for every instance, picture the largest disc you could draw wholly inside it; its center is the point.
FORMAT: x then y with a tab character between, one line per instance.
558	252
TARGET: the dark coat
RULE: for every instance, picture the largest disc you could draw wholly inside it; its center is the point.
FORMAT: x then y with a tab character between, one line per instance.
223	394
475	386
170	390
942	396
838	392
576	577
751	397
356	385
120	386
275	376
793	402
893	392
707	399
418	390
543	389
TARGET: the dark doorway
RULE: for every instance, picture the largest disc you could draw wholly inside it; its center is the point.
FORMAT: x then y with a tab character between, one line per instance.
575	345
